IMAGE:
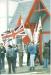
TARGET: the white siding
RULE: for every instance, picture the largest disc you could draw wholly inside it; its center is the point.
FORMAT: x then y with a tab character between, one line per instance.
46	38
46	25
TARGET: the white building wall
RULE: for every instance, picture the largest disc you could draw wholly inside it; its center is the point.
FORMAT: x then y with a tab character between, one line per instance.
46	38
46	25
46	28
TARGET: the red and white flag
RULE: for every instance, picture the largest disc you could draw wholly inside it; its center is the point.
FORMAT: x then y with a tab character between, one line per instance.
37	31
18	31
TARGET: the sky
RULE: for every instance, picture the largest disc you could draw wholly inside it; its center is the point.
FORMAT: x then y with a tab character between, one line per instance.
3	17
3	13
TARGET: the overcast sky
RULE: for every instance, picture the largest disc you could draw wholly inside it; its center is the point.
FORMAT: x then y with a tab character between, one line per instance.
12	5
3	13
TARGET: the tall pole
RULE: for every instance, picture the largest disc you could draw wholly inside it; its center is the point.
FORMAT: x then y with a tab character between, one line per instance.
40	39
7	14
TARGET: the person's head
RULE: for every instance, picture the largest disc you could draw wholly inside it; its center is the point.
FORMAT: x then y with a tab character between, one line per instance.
9	46
45	44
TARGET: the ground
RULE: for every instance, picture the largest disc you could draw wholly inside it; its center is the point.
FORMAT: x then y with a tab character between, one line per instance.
24	70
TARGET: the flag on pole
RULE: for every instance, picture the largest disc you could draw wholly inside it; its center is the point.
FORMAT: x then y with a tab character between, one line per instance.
29	33
37	31
19	30
19	22
26	39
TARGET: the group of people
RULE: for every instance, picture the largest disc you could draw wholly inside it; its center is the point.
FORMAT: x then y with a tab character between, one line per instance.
11	55
34	54
2	56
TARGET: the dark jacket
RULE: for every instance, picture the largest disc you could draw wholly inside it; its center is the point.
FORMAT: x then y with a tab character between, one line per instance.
2	51
15	52
11	52
46	52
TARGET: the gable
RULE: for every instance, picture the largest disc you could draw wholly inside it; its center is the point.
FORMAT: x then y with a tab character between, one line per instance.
23	10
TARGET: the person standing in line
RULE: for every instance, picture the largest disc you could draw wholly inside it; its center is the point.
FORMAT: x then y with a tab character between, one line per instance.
15	47
0	60
46	55
28	58
37	55
3	51
10	54
20	51
32	51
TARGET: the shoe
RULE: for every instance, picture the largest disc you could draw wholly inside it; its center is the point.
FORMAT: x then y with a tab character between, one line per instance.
9	72
33	68
14	72
30	68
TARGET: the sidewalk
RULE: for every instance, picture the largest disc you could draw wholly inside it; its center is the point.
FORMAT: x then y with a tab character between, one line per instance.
25	70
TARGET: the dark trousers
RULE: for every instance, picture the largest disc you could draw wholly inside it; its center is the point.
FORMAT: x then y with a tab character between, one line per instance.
28	59
2	62
40	60
11	63
15	61
46	62
0	65
20	58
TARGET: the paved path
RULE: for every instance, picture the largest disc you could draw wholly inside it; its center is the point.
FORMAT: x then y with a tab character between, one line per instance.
25	69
